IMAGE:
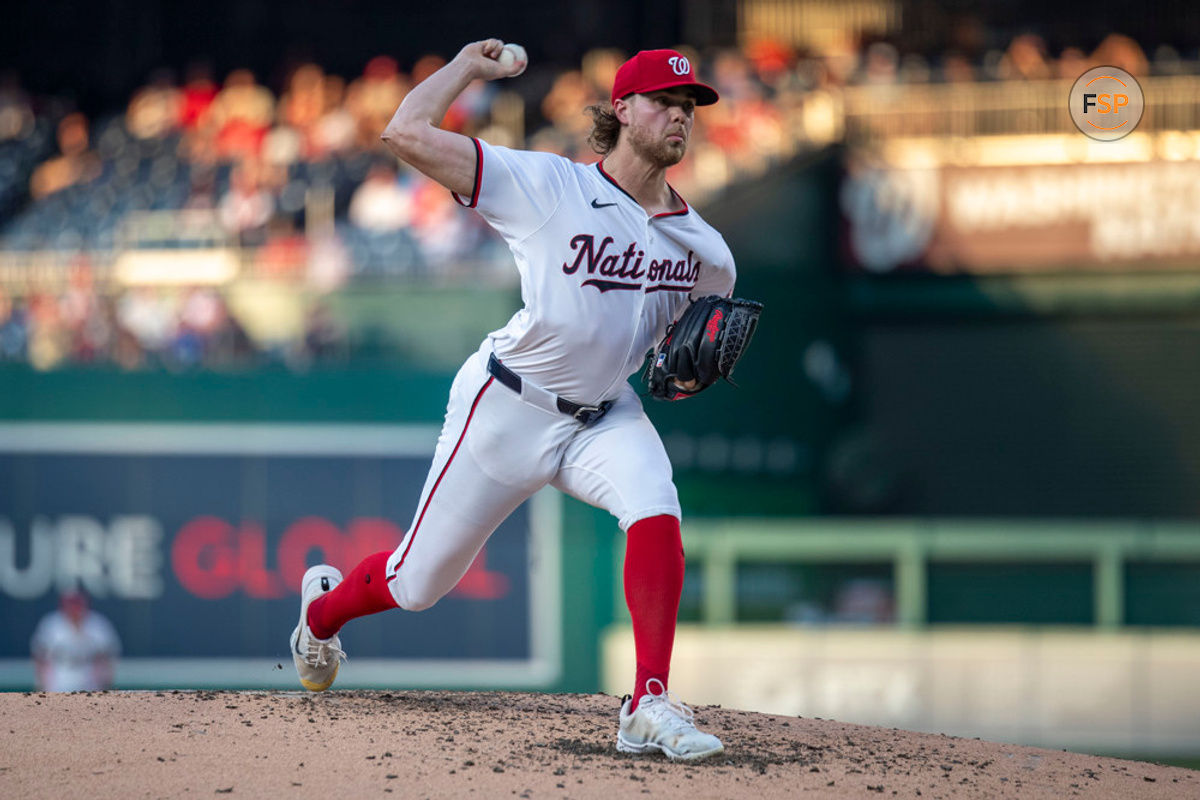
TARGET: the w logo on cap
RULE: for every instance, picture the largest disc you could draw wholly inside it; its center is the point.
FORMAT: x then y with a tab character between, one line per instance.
680	65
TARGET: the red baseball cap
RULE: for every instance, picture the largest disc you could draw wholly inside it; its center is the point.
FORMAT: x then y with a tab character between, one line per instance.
652	70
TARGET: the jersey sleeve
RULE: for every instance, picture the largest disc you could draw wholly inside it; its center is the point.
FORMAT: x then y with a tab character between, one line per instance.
717	278
516	191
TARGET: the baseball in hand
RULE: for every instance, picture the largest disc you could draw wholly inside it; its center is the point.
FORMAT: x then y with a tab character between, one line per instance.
513	54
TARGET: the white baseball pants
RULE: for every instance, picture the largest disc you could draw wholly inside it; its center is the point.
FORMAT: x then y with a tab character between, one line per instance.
495	451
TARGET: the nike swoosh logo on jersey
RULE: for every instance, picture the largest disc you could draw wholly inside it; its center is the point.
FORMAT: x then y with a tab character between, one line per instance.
597	204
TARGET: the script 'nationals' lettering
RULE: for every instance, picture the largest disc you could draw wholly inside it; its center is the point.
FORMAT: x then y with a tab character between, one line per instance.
629	265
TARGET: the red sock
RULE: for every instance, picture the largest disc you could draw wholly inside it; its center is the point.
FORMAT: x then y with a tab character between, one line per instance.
653	583
364	591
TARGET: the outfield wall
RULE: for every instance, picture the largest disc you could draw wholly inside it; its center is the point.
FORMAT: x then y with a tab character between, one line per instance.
192	539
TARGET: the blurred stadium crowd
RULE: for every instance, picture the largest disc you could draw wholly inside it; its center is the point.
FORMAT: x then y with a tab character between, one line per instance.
297	183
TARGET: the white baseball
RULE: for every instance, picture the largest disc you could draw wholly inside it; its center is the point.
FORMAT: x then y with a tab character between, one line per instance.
513	54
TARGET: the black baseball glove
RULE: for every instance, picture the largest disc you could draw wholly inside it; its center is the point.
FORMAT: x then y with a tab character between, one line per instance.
703	345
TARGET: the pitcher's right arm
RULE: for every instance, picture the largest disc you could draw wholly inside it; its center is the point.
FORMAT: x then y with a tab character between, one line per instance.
414	134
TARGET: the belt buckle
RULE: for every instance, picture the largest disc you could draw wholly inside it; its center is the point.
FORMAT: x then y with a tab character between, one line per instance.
588	414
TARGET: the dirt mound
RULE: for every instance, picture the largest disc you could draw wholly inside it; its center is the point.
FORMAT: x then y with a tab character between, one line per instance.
494	744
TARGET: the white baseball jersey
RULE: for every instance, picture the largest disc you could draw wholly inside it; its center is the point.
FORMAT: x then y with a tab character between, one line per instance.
601	279
71	652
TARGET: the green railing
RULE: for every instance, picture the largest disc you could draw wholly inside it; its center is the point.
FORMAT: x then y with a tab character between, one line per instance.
718	546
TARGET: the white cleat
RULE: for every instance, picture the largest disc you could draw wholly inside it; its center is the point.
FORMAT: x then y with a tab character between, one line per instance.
316	659
663	723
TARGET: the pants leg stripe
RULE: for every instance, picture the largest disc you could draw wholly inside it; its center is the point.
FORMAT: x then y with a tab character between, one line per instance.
441	474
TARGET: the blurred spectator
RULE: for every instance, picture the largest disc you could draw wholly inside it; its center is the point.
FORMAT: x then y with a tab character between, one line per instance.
197	96
285	252
304	100
1026	59
957	68
1121	51
49	343
300	108
426	65
841	60
150	317
1072	63
552	140
881	64
154	110
439	224
127	352
267	170
241	114
599	68
561	106
914	69
382	202
246	208
323	336
202	312
471	107
74	648
16	113
14	328
771	60
328	260
83	318
226	340
733	78
202	319
374	97
283	146
336	131
76	163
202	193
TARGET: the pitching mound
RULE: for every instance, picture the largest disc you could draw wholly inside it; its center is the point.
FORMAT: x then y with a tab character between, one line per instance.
492	744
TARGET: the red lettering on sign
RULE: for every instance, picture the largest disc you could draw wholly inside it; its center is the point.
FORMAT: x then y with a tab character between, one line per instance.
369	535
212	559
204	557
479	583
257	580
303	535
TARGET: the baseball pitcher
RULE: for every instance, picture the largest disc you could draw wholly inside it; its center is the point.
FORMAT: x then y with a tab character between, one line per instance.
610	258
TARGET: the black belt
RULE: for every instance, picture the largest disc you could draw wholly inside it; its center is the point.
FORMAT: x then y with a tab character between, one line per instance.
585	414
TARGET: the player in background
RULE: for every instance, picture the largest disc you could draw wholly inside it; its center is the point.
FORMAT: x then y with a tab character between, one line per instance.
74	648
609	255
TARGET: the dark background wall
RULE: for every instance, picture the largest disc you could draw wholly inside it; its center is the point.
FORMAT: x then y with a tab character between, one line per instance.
97	52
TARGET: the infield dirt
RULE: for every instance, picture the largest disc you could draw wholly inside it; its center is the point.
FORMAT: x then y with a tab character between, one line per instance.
345	744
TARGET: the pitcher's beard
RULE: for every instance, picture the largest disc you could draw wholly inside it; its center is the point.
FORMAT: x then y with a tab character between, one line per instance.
658	152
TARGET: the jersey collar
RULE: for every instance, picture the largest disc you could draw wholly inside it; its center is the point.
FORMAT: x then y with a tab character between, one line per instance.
610	179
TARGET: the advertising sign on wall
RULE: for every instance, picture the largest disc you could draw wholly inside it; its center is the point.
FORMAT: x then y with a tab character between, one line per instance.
192	539
1010	218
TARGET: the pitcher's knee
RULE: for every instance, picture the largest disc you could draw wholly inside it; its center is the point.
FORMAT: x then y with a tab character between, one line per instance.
652	504
419	600
420	603
414	594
